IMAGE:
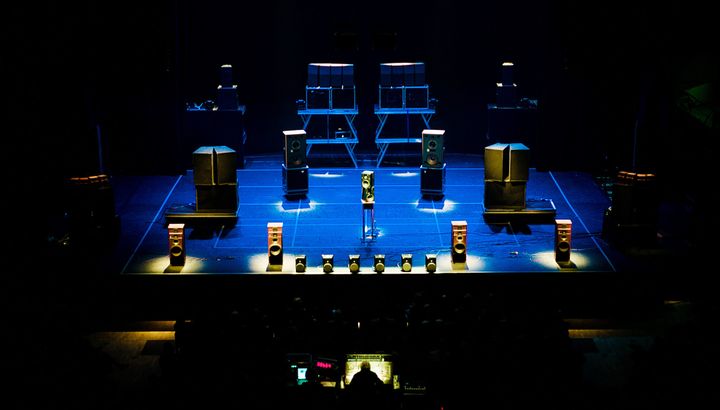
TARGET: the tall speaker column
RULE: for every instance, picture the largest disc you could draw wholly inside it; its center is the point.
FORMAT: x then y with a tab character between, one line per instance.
432	169
295	170
563	234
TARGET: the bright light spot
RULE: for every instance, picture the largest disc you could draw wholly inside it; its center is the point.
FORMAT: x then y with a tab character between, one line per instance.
295	207
405	174
547	259
161	265
327	175
473	263
439	206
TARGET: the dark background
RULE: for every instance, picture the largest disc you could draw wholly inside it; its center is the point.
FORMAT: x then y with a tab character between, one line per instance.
607	76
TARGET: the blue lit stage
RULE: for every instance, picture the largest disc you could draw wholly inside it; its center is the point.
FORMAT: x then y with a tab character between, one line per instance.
329	221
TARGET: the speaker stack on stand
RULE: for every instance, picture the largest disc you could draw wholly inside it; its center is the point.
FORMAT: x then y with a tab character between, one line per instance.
432	169
294	168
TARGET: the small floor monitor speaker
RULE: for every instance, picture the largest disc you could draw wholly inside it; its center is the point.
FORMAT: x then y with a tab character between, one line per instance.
367	181
406	262
379	263
563	233
275	243
459	241
431	263
176	237
328	263
433	148
354	263
300	263
295	148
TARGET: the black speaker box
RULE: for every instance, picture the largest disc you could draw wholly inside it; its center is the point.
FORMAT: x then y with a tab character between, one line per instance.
506	95
506	73
432	180
227	98
348	75
497	162
216	198
343	98
419	69
215	165
507	162
336	76
318	98
505	195
391	98
417	97
226	77
519	163
295	148
385	75
313	74
397	75
295	180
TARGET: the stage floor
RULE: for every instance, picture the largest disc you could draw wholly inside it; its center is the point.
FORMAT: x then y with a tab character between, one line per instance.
329	221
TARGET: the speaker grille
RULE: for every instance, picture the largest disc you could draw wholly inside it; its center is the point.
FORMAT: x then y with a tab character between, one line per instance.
275	243
459	241
367	182
563	244
295	149
432	148
176	238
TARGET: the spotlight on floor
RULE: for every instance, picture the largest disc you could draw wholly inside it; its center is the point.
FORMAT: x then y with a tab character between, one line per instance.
431	263
406	263
327	263
300	263
379	263
354	263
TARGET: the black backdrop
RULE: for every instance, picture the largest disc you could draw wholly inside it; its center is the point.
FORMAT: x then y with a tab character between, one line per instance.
606	75
131	67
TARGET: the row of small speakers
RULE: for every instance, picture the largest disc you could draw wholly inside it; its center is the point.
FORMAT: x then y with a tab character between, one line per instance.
458	250
328	263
